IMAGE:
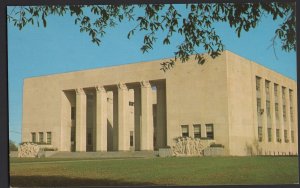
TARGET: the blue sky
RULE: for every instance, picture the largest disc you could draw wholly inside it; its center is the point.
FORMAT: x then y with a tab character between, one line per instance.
60	47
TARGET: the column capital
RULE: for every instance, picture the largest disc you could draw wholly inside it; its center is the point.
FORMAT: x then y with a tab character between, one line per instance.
100	88
122	86
145	83
79	91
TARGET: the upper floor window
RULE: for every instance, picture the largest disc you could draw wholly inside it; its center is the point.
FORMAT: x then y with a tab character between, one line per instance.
291	97
276	111
267	86
283	94
268	108
257	83
276	90
259	134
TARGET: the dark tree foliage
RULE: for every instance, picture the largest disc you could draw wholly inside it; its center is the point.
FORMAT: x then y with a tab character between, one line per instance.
12	146
195	25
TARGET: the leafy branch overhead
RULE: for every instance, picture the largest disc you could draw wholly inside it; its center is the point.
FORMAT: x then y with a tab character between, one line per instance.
194	24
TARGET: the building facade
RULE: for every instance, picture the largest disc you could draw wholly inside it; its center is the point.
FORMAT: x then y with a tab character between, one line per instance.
234	101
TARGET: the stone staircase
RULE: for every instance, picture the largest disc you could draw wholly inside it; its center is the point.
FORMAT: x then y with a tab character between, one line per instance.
109	154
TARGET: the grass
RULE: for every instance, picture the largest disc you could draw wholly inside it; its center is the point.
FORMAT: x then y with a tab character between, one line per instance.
154	171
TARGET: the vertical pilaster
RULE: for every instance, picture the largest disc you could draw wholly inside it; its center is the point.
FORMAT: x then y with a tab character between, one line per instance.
137	117
161	125
147	117
272	106
101	119
281	122
80	120
123	131
264	114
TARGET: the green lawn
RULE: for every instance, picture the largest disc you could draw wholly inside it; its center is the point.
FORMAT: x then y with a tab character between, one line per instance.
154	171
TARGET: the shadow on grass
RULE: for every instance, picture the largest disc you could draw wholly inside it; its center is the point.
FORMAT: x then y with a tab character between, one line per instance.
61	181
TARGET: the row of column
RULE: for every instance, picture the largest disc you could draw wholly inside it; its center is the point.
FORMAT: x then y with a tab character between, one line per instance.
276	123
143	122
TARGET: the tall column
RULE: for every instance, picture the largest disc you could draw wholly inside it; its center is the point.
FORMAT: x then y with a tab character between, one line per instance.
101	119
123	130
161	125
264	115
288	116
272	106
281	121
147	117
137	117
80	120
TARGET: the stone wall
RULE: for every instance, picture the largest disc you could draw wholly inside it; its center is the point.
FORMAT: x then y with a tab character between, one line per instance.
190	146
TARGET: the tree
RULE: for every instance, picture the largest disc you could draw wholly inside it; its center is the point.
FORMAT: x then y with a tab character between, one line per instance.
196	27
12	146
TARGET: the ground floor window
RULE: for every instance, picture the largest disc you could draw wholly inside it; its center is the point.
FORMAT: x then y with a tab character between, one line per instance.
185	130
292	136
269	134
210	131
131	138
33	137
260	134
286	136
49	137
278	135
41	137
197	131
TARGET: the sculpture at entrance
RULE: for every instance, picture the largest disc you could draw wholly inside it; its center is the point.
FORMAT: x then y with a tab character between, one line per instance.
186	146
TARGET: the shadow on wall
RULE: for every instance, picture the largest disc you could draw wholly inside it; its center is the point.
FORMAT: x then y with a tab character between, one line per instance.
60	181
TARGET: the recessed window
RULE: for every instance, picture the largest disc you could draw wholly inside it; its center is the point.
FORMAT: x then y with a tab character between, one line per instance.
292	136
49	137
197	131
267	87
210	131
258	102
268	108
131	138
33	137
131	103
276	90
41	137
284	112
276	111
269	134
185	130
286	136
73	113
257	83
291	114
278	135
260	134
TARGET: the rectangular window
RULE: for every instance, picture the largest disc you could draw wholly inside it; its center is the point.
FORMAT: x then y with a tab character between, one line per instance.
292	136
257	83
267	86
210	131
276	90
131	103
284	112
258	102
49	138
33	137
197	131
185	130
73	113
278	135
276	111
41	137
291	97
260	134
131	138
269	134
283	94
286	136
268	108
